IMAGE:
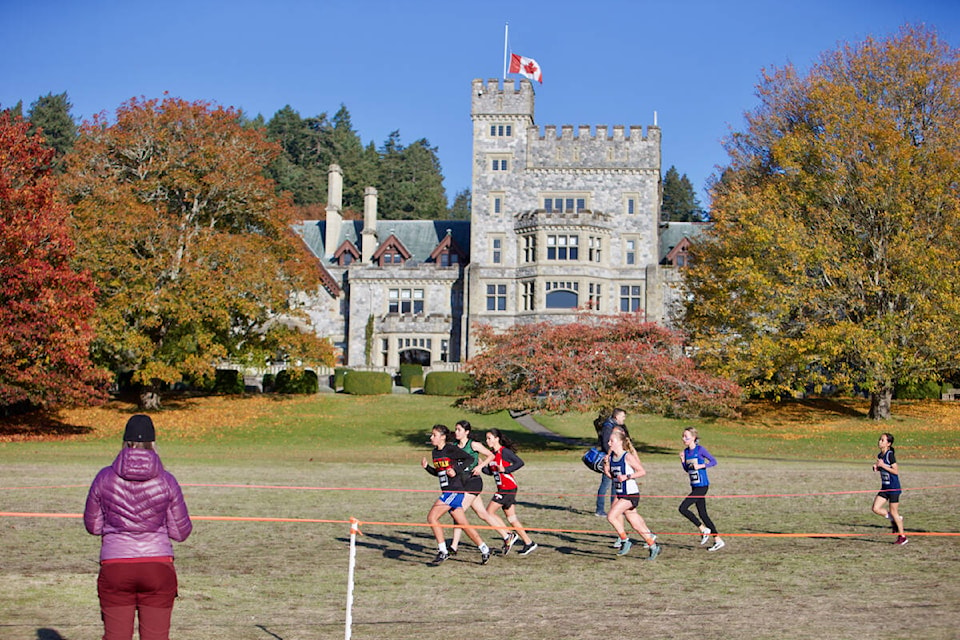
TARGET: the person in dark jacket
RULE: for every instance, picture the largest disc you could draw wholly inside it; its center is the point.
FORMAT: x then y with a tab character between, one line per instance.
137	508
616	419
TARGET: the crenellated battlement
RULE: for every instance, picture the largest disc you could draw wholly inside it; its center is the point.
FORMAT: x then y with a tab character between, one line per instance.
601	132
616	147
489	99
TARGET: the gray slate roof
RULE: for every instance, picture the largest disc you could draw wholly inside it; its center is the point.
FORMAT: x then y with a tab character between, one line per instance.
420	237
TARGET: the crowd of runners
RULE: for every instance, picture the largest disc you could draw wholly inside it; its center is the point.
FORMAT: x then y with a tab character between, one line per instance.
458	462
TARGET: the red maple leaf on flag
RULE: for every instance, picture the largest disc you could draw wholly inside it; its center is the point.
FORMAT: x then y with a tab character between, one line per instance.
531	68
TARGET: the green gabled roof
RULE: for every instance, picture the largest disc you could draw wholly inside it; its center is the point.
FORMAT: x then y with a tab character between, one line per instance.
671	233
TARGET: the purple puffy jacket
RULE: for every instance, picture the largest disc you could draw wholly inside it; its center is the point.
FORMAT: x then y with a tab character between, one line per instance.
137	507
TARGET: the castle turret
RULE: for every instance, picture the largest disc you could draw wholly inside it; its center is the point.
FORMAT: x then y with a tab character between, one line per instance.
368	239
334	207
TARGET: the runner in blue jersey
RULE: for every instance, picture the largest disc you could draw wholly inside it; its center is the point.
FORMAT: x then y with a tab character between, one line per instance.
448	464
696	460
623	467
890	489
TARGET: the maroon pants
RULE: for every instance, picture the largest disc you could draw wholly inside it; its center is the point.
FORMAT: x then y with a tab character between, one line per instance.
146	589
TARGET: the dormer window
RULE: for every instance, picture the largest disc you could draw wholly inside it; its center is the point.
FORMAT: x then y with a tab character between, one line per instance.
391	253
346	254
391	256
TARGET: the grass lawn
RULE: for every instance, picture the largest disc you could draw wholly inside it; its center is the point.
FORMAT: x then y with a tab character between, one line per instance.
333	457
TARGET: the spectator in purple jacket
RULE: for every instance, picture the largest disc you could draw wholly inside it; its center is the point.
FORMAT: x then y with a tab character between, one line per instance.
136	507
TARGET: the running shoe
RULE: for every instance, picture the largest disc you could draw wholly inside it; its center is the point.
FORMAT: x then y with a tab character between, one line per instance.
485	557
508	543
600	514
705	536
647	545
452	551
441	556
901	540
625	547
617	543
719	544
654	551
528	548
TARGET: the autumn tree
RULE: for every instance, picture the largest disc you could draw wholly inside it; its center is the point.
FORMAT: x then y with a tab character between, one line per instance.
833	258
591	365
45	304
189	243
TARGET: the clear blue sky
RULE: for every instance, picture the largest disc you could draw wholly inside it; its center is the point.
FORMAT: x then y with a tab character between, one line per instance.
409	65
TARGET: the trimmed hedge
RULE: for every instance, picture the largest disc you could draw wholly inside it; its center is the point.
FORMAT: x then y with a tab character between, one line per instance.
228	381
411	375
338	374
447	383
367	383
304	382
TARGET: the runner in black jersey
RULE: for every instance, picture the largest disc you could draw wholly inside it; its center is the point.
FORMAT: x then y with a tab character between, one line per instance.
449	463
473	483
890	488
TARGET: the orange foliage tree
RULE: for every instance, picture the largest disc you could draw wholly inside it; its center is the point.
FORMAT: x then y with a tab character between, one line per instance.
188	241
833	256
593	365
45	304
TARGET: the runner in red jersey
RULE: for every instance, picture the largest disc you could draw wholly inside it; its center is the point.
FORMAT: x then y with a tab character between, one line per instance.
505	463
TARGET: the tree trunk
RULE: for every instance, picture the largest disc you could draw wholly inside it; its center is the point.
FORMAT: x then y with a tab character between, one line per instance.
149	400
880	404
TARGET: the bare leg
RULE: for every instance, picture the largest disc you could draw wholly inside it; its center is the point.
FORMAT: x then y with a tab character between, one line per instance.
512	518
640	526
468	499
433	519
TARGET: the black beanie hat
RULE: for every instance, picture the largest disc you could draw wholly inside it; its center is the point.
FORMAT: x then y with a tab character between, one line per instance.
139	429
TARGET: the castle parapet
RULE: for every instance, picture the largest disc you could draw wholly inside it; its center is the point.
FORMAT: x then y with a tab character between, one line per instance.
488	99
617	147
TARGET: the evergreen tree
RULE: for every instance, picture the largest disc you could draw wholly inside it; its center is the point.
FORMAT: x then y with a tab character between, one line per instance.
348	152
295	170
412	185
680	202
460	209
14	112
50	114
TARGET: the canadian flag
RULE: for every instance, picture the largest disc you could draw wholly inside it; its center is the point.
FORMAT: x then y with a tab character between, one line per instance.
526	67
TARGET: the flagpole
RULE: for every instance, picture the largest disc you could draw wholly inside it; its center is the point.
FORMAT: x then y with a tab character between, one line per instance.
506	30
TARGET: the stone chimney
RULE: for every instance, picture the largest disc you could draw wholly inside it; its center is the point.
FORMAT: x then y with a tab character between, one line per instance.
369	240
334	206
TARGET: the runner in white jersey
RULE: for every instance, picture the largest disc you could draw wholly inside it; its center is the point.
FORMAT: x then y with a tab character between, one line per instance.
623	467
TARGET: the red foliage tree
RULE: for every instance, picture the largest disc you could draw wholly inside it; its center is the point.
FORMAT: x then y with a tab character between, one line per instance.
45	305
593	365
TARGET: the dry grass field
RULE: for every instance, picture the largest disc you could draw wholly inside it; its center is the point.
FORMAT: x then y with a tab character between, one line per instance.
292	473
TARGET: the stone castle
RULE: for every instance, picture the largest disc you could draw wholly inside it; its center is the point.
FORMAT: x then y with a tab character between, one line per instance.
560	225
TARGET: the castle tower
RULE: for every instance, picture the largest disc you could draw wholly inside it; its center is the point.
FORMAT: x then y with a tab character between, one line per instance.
560	223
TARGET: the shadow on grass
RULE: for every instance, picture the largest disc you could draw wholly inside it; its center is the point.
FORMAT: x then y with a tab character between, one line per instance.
524	440
49	634
527	441
39	425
